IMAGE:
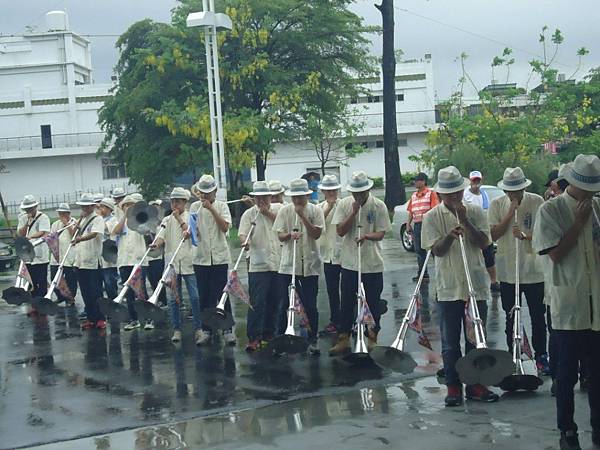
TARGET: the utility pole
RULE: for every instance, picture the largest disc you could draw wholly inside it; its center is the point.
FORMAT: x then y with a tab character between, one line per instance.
394	188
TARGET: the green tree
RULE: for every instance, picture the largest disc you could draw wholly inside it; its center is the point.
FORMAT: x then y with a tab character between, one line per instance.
275	57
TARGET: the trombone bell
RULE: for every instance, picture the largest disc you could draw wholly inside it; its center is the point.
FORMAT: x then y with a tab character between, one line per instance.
485	366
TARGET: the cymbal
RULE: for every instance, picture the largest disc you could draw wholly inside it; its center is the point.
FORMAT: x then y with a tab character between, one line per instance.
393	359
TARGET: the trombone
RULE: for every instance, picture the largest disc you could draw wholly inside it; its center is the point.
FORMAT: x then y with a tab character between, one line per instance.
218	318
481	365
289	341
394	357
519	380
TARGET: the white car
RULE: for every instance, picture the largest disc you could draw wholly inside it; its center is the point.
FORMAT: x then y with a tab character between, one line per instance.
401	217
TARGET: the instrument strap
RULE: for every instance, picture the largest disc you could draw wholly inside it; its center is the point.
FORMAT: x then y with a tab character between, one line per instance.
87	223
30	226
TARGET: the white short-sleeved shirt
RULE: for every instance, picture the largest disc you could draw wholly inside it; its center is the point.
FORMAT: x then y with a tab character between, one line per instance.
160	253
308	256
450	277
530	263
212	248
131	246
42	252
374	217
473	199
89	253
330	241
109	224
264	242
64	239
172	236
574	281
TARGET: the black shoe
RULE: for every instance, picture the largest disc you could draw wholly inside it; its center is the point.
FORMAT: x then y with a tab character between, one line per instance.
569	441
454	396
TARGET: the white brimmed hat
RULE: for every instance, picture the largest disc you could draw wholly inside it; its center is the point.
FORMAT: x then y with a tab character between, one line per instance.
180	193
118	192
156	202
206	184
562	170
329	183
260	188
298	187
63	207
127	199
359	182
108	202
513	180
276	187
450	181
98	196
86	199
584	173
137	197
29	201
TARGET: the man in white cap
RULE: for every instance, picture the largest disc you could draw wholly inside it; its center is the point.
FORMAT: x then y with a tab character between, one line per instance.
131	248
211	255
331	248
88	253
110	275
511	218
64	239
34	224
442	227
474	195
374	223
263	265
567	229
176	228
118	194
277	190
302	222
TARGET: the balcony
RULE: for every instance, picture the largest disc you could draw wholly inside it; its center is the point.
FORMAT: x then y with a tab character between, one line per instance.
55	141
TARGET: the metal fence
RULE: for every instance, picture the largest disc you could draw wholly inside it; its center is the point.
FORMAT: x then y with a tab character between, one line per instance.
11	144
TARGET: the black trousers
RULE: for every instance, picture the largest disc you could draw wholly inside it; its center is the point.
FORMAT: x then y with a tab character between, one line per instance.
264	295
156	268
39	278
573	346
70	279
373	284
534	293
332	280
211	280
90	283
124	272
553	352
307	288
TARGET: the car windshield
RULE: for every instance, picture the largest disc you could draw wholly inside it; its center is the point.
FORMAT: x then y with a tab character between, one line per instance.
493	192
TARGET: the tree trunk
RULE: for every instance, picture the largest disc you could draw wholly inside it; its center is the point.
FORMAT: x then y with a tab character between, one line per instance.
261	167
394	188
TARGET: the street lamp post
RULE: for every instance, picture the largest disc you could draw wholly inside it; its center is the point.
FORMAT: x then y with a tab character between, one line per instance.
210	21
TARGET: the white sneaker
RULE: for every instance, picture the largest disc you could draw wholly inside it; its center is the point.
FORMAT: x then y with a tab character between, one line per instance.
202	337
131	325
229	337
176	336
149	325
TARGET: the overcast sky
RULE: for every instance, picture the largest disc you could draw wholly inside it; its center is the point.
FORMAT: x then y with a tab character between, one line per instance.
444	28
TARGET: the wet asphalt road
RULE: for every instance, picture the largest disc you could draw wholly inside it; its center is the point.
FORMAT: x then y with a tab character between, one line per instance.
137	390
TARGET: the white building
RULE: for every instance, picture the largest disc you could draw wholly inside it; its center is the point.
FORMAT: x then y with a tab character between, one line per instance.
415	111
49	133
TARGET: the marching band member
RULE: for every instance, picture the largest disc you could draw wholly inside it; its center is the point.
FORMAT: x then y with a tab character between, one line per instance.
118	194
331	247
88	252
264	261
64	219
421	201
211	255
110	275
567	230
131	247
156	265
303	222
442	227
277	190
98	196
34	224
374	223
176	227
501	217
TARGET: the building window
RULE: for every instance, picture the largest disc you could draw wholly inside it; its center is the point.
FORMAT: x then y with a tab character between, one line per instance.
373	99
46	136
354	100
112	169
402	142
379	144
400	97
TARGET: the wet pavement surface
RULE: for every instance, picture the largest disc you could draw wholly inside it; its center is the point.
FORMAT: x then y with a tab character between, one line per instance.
62	388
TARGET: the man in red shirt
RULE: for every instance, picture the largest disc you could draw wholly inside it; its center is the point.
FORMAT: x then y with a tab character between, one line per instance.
420	202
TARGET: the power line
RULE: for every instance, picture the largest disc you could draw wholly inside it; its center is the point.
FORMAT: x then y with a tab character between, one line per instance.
477	35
